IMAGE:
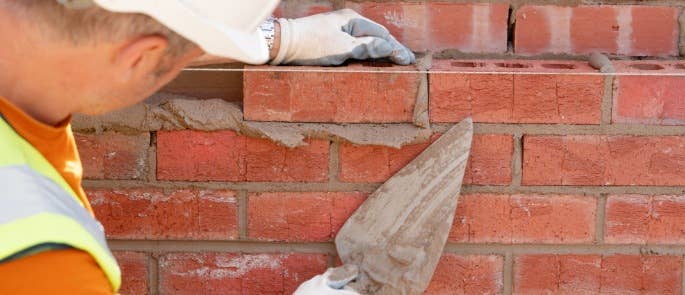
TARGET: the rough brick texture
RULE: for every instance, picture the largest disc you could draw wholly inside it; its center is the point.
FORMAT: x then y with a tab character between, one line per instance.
512	98
490	161
298	8
232	273
650	99
471	274
603	160
227	156
313	217
155	214
638	219
290	95
490	218
134	270
624	29
588	201
113	155
470	27
595	274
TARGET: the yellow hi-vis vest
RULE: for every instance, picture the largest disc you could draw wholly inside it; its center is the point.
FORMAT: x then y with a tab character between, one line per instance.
39	210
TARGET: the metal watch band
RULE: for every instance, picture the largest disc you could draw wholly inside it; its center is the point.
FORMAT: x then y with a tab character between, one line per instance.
268	30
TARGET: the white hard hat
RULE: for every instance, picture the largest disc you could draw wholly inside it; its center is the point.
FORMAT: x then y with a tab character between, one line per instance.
226	28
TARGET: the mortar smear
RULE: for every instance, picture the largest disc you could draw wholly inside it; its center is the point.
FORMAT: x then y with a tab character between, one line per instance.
175	112
421	116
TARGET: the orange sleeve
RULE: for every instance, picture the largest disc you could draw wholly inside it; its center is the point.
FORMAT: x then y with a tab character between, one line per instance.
57	272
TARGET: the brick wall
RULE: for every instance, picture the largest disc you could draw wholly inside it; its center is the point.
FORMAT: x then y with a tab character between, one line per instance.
575	185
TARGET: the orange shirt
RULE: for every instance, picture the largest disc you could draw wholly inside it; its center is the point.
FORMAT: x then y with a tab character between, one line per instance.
56	143
67	271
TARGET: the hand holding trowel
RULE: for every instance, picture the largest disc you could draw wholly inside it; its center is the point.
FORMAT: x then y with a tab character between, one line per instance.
392	243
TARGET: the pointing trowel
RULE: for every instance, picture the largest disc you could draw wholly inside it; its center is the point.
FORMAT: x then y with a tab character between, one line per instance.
396	237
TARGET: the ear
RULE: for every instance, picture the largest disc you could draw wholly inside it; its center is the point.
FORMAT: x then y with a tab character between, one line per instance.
139	58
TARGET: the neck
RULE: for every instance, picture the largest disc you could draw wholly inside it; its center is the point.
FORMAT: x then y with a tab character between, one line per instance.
39	107
21	75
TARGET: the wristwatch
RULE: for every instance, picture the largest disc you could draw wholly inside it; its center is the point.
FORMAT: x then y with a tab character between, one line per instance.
268	31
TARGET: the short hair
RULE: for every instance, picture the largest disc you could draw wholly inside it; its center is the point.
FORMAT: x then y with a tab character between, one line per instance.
94	24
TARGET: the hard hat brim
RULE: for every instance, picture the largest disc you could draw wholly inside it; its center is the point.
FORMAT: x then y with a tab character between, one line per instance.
212	36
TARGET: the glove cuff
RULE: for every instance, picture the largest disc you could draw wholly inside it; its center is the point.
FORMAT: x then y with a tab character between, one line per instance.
286	41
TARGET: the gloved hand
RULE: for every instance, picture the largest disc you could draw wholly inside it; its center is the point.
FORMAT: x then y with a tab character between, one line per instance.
333	282
332	38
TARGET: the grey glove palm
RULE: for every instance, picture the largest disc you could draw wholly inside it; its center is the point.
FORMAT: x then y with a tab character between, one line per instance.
334	37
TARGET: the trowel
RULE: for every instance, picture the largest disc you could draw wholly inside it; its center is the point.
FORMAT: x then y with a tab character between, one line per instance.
394	240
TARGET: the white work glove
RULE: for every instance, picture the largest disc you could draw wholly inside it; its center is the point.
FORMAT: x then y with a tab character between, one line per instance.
332	38
333	282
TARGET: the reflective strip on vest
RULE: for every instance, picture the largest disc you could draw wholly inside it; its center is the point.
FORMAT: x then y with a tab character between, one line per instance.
15	150
36	209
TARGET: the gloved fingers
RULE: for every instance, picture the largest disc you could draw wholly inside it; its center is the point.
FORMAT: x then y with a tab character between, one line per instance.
400	55
371	47
339	277
362	27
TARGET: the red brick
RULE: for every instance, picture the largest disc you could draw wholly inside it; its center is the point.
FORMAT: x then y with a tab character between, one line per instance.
113	155
207	84
490	161
654	30
638	219
627	274
514	98
332	96
649	99
299	8
134	272
153	214
620	29
557	274
375	163
489	218
230	273
603	160
595	274
227	156
472	28
469	274
312	217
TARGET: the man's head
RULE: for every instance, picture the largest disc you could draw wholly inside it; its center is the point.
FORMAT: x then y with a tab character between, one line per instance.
91	58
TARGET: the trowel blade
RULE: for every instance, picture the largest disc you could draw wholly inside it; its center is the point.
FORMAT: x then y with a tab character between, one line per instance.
397	235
